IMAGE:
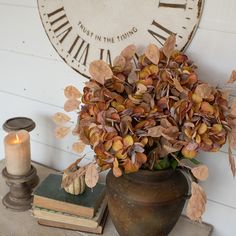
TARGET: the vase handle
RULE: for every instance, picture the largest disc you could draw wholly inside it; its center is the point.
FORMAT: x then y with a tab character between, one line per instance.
190	178
187	196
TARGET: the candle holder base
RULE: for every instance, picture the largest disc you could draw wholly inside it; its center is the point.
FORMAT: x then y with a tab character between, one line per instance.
21	187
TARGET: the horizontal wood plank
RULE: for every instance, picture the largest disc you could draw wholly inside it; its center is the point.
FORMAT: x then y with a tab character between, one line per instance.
53	157
24	32
221	217
220	186
21	3
214	59
36	78
219	16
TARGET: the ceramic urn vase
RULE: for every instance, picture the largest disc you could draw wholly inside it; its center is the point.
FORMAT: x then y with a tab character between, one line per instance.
146	202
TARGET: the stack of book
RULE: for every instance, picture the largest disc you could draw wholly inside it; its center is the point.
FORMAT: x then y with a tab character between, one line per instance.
52	206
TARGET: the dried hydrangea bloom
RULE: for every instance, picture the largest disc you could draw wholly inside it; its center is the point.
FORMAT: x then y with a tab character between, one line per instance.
161	105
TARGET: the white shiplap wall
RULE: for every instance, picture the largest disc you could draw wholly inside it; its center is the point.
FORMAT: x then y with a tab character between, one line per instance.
32	79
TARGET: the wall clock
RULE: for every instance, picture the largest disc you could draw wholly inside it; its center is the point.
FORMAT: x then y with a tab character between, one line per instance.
85	30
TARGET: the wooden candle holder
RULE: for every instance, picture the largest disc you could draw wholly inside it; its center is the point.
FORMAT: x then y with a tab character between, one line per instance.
21	187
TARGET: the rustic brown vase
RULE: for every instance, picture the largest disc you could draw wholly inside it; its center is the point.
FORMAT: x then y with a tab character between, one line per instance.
146	203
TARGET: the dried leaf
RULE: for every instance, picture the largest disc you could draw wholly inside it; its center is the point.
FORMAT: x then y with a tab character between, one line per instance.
141	89
128	67
168	147
78	147
100	71
73	166
165	123
61	132
233	107
138	147
171	133
128	141
169	46
117	171
188	153
91	176
72	92
203	90
129	51
130	167
191	146
141	158
207	108
125	124
187	163
197	202
155	132
117	145
200	172
115	163
232	77
153	54
132	77
119	62
71	105
60	118
178	85
232	162
92	85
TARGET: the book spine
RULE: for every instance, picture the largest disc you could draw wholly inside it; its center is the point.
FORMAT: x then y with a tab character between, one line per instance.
63	207
97	230
47	215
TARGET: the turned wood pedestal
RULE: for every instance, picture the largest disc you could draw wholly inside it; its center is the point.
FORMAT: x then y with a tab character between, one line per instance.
21	187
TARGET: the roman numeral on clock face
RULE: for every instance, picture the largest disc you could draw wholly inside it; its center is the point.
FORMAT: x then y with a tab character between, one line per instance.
80	50
135	60
60	24
106	56
159	32
172	5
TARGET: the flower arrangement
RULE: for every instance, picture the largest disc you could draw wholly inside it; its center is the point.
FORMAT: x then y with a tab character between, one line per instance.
155	115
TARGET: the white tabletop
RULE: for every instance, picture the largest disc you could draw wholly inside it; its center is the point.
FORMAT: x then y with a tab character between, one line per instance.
23	224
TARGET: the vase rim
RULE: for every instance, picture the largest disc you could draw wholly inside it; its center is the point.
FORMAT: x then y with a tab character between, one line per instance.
152	176
151	172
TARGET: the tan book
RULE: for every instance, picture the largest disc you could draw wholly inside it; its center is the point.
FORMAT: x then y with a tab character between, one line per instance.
97	230
46	214
50	195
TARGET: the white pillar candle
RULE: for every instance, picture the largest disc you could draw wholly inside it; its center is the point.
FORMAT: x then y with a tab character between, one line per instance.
17	152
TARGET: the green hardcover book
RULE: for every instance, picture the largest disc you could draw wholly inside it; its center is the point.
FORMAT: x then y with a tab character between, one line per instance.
50	195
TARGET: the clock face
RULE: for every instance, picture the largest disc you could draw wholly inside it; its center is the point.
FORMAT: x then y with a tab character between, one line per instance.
85	30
